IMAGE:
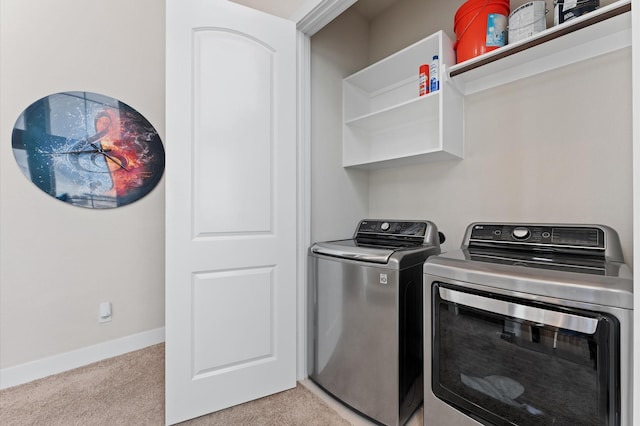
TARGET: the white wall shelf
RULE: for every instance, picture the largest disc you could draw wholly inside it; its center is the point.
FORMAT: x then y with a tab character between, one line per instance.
386	122
602	31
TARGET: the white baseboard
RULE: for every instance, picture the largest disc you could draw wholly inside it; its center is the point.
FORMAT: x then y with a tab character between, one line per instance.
44	367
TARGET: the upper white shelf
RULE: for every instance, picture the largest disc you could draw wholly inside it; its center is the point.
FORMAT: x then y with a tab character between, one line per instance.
393	80
385	121
602	31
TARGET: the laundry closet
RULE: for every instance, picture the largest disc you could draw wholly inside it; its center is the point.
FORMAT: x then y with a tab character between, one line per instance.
552	147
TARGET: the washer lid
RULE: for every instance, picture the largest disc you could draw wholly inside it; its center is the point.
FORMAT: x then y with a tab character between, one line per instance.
350	249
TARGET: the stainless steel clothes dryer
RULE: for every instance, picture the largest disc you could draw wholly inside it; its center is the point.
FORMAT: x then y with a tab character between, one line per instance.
366	317
529	324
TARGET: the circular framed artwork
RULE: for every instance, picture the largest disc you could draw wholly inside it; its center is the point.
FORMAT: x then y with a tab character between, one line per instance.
88	150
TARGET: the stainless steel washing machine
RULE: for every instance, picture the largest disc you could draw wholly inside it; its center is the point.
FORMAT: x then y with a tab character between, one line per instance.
529	324
366	310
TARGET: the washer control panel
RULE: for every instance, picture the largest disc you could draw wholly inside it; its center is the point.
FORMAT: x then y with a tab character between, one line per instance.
388	227
538	235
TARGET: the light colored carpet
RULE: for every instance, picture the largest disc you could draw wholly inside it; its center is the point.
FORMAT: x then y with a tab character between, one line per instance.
129	390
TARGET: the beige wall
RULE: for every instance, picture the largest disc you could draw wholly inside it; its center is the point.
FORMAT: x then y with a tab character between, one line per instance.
551	148
555	147
58	262
339	197
409	21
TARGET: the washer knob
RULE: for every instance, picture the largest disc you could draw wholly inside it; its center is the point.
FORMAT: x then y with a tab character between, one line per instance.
521	233
385	226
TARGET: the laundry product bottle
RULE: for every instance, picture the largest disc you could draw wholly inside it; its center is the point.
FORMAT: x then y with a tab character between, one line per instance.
434	74
424	79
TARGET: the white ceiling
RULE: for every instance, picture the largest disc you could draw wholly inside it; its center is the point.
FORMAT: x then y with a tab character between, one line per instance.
281	8
287	8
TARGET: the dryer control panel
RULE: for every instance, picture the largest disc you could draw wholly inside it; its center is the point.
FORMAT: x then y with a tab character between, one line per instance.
574	236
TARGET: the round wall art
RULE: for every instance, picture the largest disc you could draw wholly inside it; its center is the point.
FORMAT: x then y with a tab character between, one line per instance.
88	150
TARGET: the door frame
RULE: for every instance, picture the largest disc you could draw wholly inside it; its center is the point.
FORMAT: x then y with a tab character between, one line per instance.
309	24
635	83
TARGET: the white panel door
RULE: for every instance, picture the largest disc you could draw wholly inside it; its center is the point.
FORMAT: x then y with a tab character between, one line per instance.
230	206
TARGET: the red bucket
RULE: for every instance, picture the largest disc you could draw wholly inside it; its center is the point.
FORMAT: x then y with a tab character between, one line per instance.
480	27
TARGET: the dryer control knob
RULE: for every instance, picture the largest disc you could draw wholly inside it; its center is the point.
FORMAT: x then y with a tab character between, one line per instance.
521	233
385	226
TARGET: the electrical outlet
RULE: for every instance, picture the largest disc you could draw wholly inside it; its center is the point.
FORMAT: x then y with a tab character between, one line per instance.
104	312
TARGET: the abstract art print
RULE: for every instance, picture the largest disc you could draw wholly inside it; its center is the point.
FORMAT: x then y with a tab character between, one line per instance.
88	150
